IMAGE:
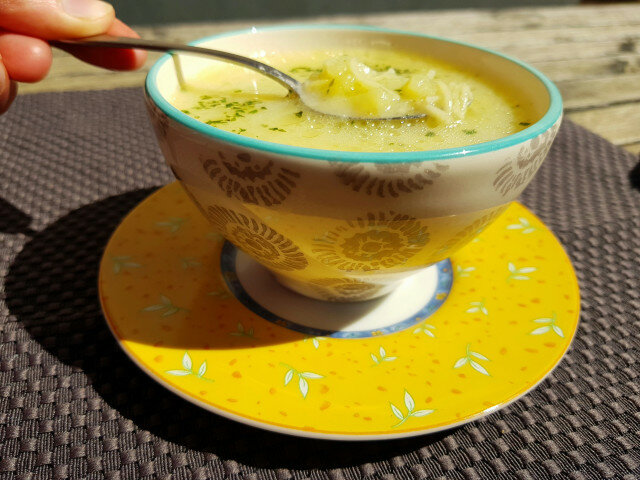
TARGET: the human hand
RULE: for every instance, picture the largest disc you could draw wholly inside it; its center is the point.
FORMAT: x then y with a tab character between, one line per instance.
26	25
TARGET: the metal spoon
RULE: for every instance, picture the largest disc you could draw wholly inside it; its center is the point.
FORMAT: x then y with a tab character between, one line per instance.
282	78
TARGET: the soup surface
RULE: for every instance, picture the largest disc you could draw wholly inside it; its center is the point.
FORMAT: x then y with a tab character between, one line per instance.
462	107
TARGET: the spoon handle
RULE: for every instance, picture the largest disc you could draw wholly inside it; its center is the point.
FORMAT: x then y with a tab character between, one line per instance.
161	46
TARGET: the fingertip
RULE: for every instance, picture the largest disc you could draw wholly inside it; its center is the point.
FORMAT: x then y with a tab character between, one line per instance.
26	59
139	59
113	59
120	29
8	89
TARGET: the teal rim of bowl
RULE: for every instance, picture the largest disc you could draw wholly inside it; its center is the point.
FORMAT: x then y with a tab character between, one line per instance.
547	121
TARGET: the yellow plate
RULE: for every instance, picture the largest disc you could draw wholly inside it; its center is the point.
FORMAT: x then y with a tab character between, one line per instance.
507	320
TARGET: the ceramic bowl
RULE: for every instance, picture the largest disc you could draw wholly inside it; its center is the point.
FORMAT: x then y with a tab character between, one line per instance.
349	226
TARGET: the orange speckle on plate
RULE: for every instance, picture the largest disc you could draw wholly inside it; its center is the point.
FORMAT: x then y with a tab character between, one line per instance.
158	358
368	419
356	415
503	351
232	400
523	368
381	388
462	375
535	300
234	360
549	344
272	391
324	389
202	392
531	350
325	405
284	414
236	374
456	391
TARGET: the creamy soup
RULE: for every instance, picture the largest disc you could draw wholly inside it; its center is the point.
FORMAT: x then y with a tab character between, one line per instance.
461	107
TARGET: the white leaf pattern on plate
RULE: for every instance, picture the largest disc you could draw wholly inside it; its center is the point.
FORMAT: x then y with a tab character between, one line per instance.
550	326
469	358
410	404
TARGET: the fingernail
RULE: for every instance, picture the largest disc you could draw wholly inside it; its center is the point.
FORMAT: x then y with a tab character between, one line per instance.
86	8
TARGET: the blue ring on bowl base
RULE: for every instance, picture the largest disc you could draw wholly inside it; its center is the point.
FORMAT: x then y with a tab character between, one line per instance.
440	294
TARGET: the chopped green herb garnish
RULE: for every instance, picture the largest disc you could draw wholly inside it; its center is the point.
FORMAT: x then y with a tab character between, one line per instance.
330	84
399	71
429	134
305	69
525	124
276	129
185	111
231	110
237	91
298	114
470	132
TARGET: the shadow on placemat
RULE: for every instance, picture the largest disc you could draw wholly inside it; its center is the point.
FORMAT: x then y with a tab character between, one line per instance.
634	176
52	291
14	220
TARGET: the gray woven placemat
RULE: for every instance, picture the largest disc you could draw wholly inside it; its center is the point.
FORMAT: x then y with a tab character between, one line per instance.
73	406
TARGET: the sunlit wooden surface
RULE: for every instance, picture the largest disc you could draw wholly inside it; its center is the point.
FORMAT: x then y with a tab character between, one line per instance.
591	52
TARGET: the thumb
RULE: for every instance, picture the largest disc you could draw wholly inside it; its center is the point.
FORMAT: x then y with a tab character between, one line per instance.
55	19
